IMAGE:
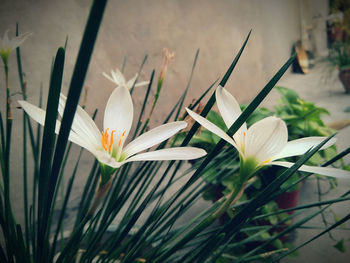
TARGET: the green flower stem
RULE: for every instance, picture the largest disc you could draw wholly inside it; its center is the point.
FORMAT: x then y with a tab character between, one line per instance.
8	97
101	193
24	123
248	167
10	230
232	198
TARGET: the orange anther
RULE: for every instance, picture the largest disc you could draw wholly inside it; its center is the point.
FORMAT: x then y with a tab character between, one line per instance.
111	142
105	139
121	139
106	143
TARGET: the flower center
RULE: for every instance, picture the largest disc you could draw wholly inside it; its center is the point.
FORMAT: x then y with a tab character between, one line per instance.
108	140
266	161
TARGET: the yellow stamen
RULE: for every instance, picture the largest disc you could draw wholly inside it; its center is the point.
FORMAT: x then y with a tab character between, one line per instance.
105	139
243	133
111	142
106	142
121	139
266	161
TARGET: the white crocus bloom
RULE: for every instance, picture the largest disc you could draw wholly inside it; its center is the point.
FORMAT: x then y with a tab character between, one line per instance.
108	146
7	44
265	141
117	78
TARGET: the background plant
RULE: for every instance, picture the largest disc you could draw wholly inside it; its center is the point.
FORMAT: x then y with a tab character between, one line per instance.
303	119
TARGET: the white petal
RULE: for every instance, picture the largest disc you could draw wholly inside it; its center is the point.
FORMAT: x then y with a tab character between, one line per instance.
131	82
327	171
105	158
108	77
17	41
300	146
266	138
75	138
34	112
176	153
82	124
119	111
153	137
213	128
38	115
118	77
230	111
142	83
5	43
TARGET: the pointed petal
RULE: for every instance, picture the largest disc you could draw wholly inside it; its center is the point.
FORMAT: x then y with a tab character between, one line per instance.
5	40
82	123
78	140
327	171
176	153
108	77
131	82
118	77
266	138
213	128
300	146
230	111
142	83
119	111
38	115
16	42
153	137
34	112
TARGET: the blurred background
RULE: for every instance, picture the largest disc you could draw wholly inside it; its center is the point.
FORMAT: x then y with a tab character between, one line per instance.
132	29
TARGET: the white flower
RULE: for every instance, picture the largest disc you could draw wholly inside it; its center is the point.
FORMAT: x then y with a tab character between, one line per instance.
118	78
7	45
108	146
265	141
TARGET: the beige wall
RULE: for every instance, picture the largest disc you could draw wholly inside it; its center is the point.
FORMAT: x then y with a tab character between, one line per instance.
133	28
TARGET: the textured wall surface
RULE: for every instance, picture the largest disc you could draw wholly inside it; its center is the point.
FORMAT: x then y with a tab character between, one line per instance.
135	28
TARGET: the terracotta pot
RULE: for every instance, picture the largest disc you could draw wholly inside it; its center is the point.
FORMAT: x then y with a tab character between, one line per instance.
288	200
337	34
344	76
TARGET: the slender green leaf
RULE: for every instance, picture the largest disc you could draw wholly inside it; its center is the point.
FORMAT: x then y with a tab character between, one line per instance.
48	149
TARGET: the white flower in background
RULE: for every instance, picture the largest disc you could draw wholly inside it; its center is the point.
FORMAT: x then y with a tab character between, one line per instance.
118	78
7	45
265	141
108	146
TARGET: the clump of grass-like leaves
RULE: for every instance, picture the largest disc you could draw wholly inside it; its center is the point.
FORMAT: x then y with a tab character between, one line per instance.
130	189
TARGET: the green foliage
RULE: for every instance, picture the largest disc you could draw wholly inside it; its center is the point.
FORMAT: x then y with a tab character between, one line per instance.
340	246
339	55
303	119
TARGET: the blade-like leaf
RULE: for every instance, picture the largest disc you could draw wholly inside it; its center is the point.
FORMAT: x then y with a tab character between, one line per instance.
48	147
